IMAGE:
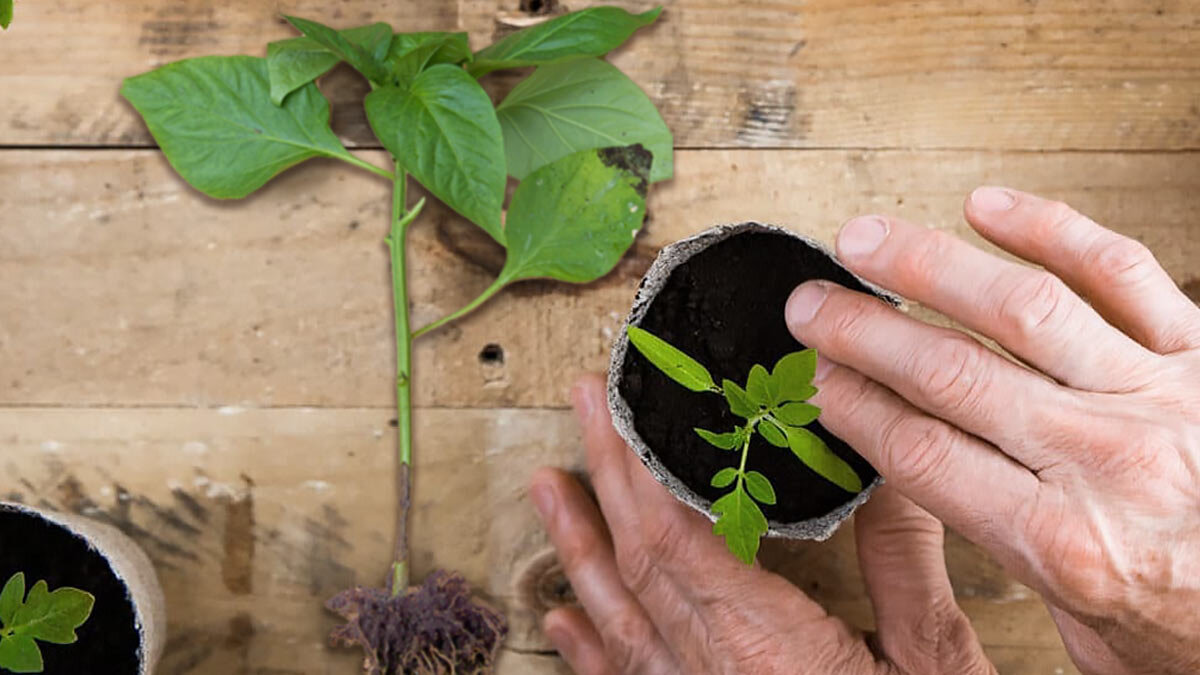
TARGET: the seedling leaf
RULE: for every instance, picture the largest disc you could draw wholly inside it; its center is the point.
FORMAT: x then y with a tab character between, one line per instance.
772	433
11	597
590	32
673	363
574	218
741	523
581	105
42	615
817	456
20	654
724	477
797	414
295	62
726	441
739	401
757	386
793	375
760	488
443	130
215	122
360	58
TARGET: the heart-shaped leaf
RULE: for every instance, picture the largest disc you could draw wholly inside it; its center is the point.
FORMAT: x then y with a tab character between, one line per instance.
673	363
590	32
568	107
214	120
817	456
443	130
295	62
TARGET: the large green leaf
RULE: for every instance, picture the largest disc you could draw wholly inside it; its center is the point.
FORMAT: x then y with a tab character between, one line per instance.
443	130
573	219
52	617
589	32
294	63
214	120
567	107
410	53
811	450
6	13
741	522
20	654
673	363
358	56
793	375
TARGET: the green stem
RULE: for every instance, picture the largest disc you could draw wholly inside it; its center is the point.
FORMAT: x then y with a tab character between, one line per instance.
396	241
498	284
362	164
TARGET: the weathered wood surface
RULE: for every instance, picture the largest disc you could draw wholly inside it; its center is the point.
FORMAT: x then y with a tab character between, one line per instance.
121	286
254	516
1119	74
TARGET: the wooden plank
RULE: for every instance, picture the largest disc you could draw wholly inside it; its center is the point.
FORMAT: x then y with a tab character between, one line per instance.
1005	74
254	516
121	286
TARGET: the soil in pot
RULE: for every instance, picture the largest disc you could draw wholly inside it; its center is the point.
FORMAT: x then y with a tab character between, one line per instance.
724	307
108	643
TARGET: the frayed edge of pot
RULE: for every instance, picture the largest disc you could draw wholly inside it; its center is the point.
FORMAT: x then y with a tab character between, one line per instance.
132	567
670	257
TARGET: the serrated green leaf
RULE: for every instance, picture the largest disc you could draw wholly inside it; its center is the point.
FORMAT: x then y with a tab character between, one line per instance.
359	58
724	477
672	362
574	218
581	105
797	414
811	450
410	53
725	441
443	130
20	654
793	375
52	617
6	13
772	433
11	597
757	387
215	122
739	402
590	32
295	62
741	522
759	487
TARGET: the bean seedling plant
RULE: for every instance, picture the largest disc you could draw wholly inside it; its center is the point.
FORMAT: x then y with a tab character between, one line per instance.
43	615
583	140
773	405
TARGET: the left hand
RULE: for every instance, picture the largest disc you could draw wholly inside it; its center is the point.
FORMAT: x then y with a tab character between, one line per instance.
661	594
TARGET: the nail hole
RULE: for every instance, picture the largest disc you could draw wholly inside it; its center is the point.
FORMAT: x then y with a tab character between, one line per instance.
492	355
539	6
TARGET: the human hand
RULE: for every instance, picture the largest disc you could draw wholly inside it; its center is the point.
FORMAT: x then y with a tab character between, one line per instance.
1080	474
660	594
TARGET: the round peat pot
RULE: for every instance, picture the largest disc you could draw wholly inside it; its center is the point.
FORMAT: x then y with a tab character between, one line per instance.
719	297
127	629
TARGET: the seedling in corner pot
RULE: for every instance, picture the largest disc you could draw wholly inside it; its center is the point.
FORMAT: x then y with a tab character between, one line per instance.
773	404
582	138
43	615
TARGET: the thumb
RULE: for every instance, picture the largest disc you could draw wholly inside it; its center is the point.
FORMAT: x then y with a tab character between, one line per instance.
919	626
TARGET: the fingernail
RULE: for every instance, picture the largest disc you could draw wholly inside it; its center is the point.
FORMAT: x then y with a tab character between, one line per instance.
584	399
860	236
824	365
802	306
992	199
542	496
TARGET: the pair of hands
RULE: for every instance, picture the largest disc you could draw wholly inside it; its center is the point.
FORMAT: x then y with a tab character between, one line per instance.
1080	473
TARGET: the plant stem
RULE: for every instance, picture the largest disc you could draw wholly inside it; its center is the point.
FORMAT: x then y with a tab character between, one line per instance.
354	161
395	241
498	284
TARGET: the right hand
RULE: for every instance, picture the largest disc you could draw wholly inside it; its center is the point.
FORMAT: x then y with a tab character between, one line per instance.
1081	473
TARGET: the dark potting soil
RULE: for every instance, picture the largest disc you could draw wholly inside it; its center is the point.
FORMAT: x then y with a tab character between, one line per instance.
108	641
724	307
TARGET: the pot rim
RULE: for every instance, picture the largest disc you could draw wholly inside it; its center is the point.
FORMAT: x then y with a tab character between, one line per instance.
671	256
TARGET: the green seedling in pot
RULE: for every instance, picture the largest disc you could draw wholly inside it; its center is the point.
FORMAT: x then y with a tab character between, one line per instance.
773	405
44	615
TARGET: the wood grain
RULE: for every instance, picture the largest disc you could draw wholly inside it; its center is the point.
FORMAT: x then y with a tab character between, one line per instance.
1008	74
123	287
253	517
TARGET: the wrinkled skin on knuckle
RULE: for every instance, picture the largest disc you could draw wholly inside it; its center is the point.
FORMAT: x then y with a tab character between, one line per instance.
951	374
914	266
845	331
627	639
1122	261
1029	305
914	450
941	641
